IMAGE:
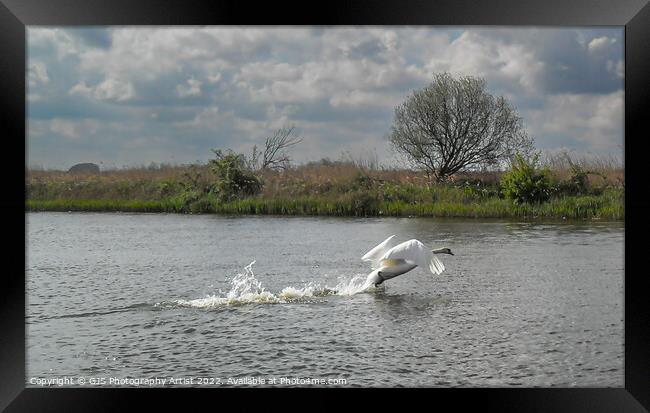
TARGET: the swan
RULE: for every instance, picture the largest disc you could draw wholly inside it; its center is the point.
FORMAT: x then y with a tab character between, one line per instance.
389	261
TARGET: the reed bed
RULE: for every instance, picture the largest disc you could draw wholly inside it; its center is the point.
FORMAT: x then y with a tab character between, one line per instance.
326	189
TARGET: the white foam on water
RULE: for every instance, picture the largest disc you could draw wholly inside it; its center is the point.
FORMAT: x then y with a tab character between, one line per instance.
356	285
246	289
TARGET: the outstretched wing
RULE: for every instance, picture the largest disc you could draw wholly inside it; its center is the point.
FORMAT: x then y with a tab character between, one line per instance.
418	253
375	254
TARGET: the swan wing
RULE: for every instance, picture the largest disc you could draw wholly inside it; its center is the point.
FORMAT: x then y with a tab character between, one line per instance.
418	253
375	254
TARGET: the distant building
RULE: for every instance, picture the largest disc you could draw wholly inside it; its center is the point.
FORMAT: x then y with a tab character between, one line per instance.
84	168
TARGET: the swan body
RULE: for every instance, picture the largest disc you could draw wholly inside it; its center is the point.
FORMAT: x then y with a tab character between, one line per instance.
389	260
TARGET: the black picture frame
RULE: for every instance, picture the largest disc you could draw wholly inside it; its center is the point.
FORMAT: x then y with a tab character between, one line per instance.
634	15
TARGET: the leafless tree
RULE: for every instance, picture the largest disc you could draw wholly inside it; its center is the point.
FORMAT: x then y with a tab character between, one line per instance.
275	155
454	124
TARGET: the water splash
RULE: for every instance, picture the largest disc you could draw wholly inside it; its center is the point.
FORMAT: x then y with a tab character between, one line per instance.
246	289
245	285
358	283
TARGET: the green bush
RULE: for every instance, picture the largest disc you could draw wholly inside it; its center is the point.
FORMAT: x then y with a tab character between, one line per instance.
363	181
579	179
524	183
576	184
361	203
236	179
475	189
201	206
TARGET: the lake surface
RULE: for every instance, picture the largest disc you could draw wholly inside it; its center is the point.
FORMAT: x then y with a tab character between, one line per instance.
127	299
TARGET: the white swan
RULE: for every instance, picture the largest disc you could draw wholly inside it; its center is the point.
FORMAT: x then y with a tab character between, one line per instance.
389	261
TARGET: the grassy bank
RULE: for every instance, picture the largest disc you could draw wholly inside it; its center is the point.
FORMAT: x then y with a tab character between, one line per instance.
606	207
327	189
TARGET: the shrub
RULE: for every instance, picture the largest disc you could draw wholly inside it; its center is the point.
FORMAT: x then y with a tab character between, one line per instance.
577	183
362	181
579	179
200	206
477	189
362	203
524	183
235	177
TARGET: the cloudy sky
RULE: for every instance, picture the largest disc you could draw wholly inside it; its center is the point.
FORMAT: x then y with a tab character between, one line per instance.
124	96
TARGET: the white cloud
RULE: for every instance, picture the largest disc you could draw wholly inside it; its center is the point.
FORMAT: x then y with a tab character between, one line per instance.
594	120
58	40
617	68
114	89
365	99
600	44
148	53
208	118
66	128
142	142
390	40
341	82
38	74
81	89
214	78
37	129
191	88
37	79
110	90
478	53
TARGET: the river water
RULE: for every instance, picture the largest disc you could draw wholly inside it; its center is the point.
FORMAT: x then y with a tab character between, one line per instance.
117	299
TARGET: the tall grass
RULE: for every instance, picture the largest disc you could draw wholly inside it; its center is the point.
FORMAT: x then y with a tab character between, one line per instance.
607	207
603	170
342	188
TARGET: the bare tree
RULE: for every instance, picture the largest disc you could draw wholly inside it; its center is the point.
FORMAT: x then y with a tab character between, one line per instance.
275	155
454	124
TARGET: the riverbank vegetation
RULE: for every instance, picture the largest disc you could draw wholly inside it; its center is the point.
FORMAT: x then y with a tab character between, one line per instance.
467	151
571	189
